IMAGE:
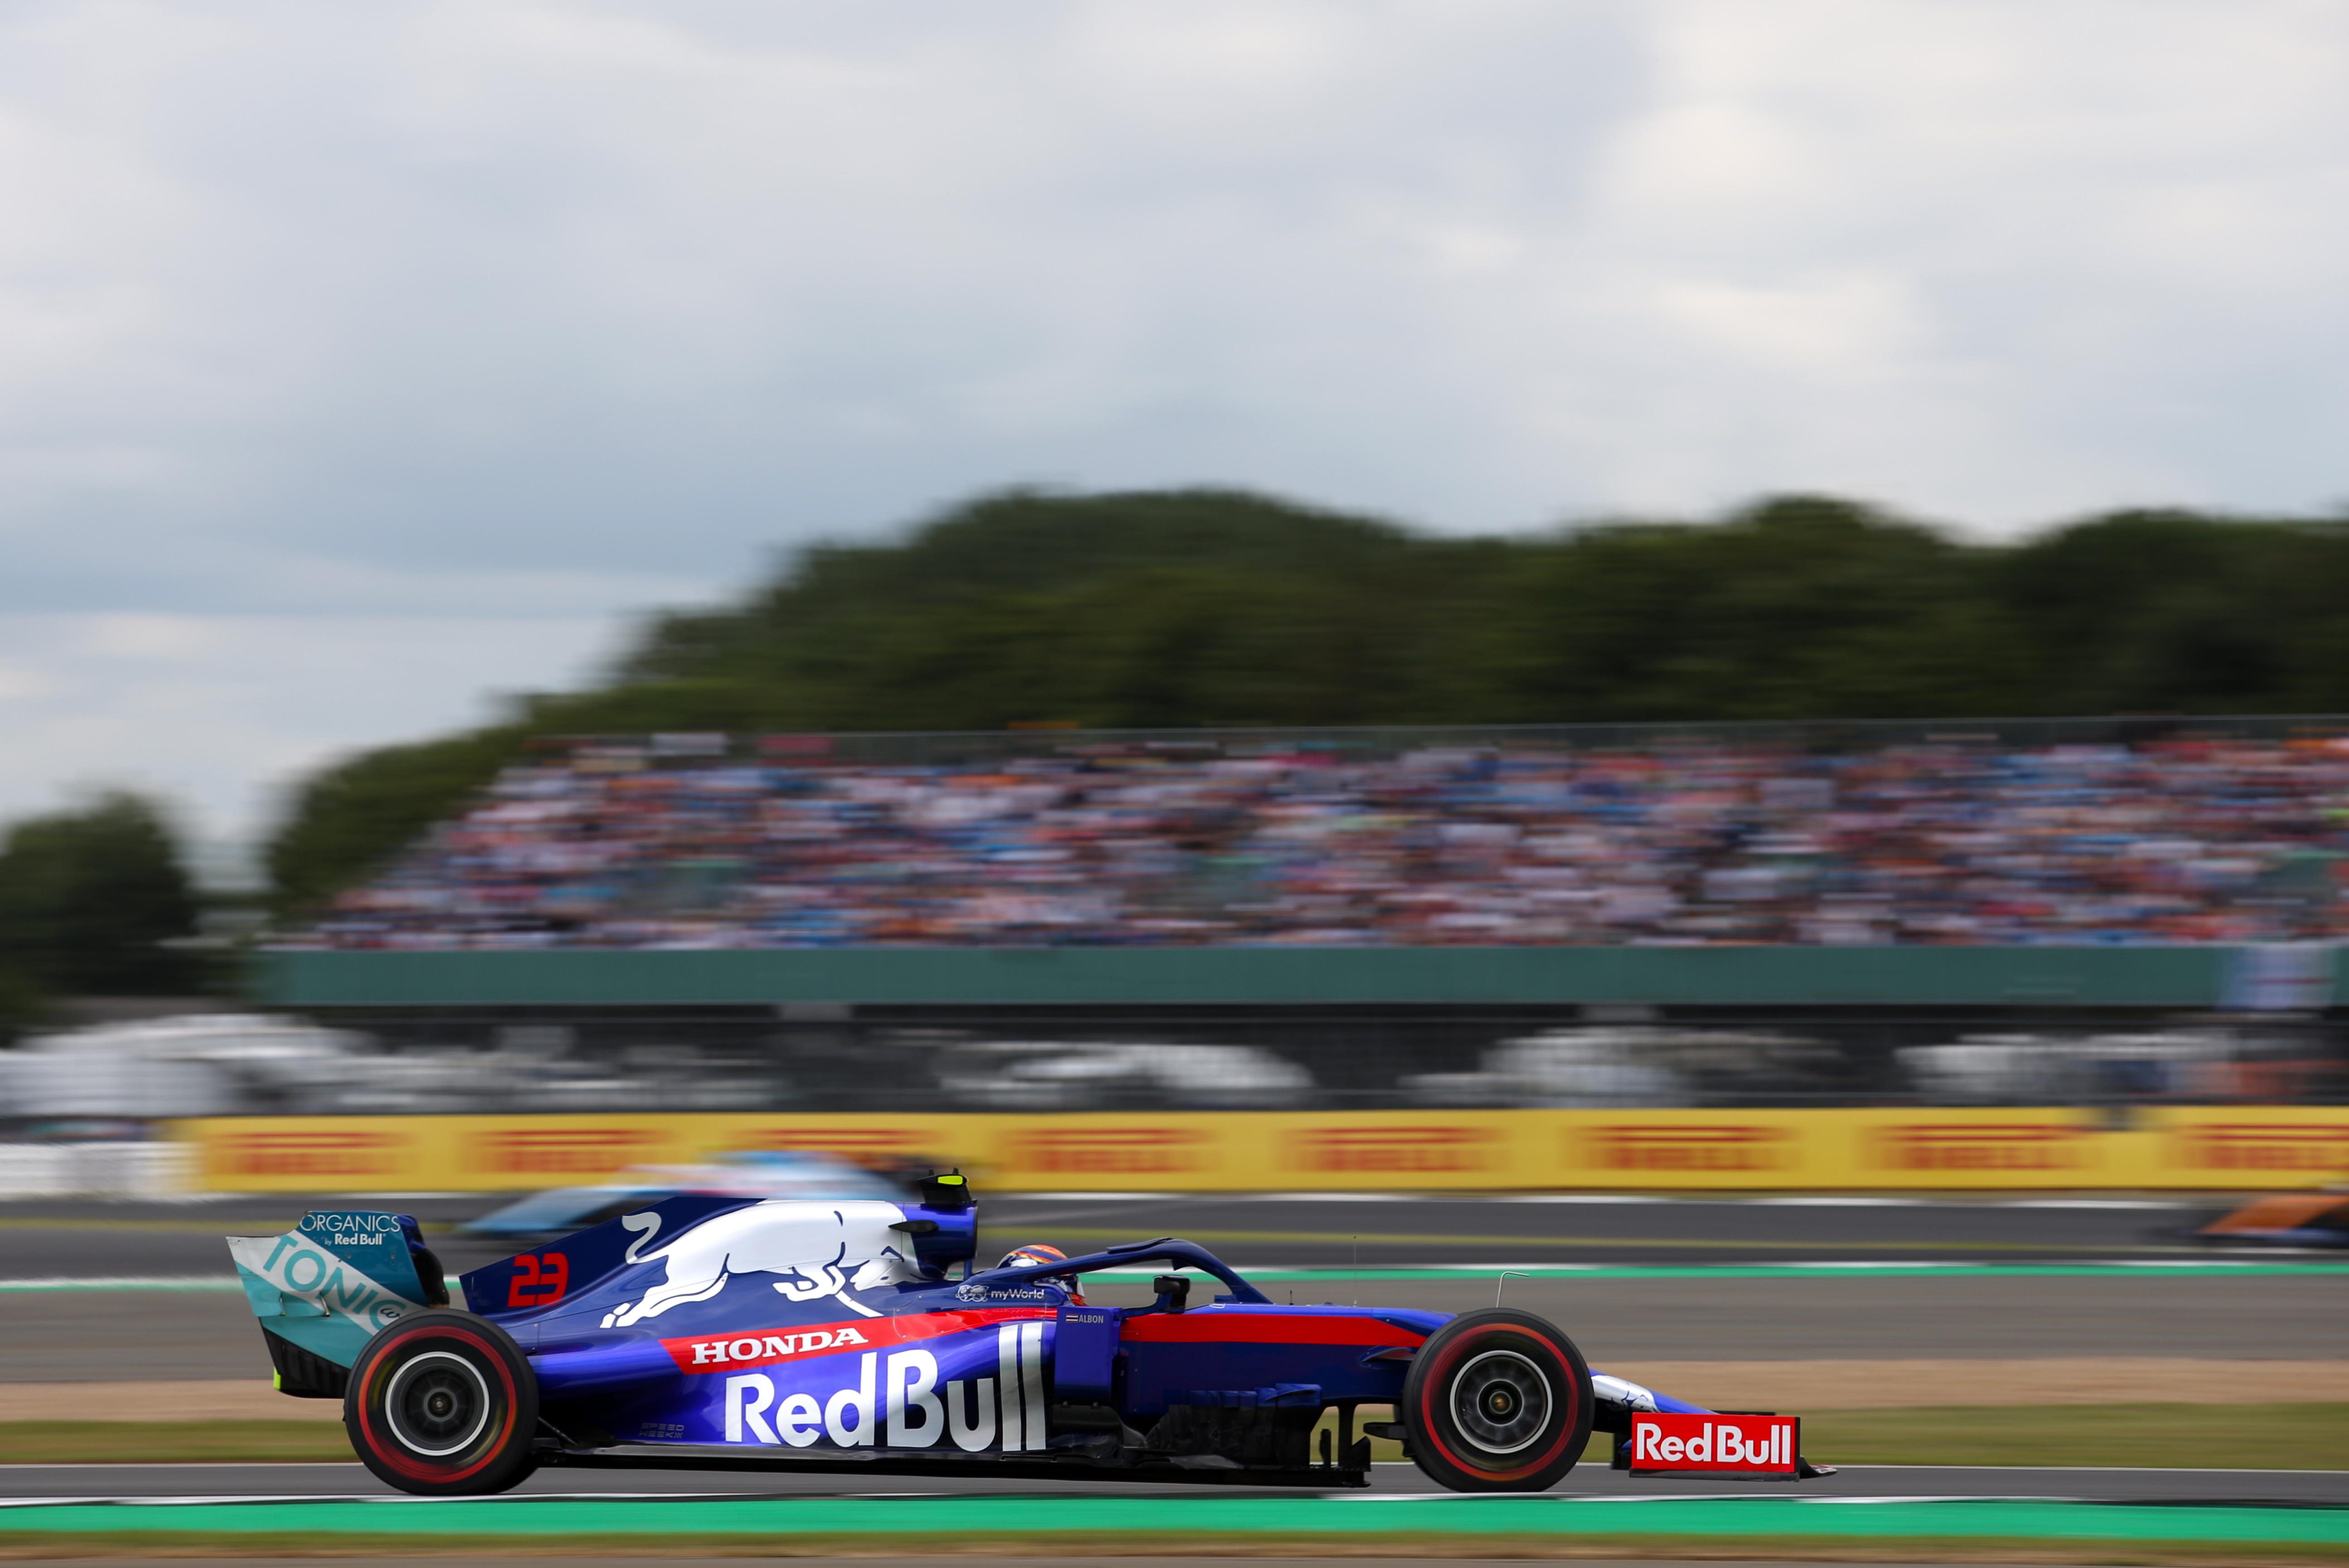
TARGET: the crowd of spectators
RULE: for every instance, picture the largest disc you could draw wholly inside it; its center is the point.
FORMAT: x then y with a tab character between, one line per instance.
620	846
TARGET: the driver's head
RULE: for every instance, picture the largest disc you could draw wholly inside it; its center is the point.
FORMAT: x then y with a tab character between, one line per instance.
1034	1253
1039	1252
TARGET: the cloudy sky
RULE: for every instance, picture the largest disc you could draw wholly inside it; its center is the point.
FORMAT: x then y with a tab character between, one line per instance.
360	362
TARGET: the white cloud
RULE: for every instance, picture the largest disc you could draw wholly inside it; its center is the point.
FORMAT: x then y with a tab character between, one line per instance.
219	714
474	311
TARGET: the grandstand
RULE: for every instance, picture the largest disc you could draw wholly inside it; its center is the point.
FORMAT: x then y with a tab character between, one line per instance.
1541	837
2099	911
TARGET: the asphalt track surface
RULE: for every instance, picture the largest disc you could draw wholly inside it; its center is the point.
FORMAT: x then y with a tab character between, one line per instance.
1305	1231
1372	1230
124	1336
2067	1277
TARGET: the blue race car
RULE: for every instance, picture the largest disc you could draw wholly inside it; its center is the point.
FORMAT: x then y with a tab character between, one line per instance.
721	1332
748	1173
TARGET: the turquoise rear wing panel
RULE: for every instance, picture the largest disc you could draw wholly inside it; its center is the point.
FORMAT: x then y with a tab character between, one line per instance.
332	1282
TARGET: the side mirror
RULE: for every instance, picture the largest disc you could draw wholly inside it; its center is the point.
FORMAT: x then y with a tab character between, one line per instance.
1174	1292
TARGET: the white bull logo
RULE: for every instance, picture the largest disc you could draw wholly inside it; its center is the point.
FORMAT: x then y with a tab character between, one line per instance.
808	1243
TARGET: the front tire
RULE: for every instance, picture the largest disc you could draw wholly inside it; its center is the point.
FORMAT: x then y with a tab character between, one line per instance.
443	1403
1497	1401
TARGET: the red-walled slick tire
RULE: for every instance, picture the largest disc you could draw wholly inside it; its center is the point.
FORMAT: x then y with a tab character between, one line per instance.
443	1403
1497	1401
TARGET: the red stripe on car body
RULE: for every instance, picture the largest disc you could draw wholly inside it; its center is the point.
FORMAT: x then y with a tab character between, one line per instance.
1210	1327
799	1341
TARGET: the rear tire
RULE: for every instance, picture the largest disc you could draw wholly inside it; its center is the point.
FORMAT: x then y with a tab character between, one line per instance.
443	1403
1497	1401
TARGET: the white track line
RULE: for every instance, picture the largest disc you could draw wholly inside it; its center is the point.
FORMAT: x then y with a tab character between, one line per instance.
126	1283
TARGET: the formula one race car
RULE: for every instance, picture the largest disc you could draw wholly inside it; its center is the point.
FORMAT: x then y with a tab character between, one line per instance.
716	1331
748	1173
2297	1220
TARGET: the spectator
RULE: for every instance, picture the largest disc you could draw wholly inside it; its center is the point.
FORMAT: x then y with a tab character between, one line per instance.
2204	841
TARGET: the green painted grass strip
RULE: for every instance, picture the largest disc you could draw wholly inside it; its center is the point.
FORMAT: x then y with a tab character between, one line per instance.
1537	1516
1986	1549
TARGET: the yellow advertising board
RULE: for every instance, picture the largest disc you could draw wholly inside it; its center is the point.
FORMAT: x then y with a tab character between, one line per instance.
1863	1150
2250	1145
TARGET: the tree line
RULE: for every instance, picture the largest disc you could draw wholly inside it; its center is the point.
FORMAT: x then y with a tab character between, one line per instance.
1217	607
95	900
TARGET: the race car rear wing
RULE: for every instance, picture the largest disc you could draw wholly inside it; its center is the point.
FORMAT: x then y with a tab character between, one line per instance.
324	1288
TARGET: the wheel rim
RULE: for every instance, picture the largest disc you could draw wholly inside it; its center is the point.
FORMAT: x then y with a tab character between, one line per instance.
1501	1402
437	1403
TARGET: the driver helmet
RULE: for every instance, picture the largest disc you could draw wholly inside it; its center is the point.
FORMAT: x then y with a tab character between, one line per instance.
1039	1252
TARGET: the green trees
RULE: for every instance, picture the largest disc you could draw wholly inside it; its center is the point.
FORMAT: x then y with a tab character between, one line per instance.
353	812
1181	607
1189	607
2170	612
1800	608
87	899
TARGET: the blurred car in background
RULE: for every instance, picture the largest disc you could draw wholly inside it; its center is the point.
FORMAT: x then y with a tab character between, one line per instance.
237	1063
1628	1065
1081	1075
195	1064
758	1173
2283	1219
